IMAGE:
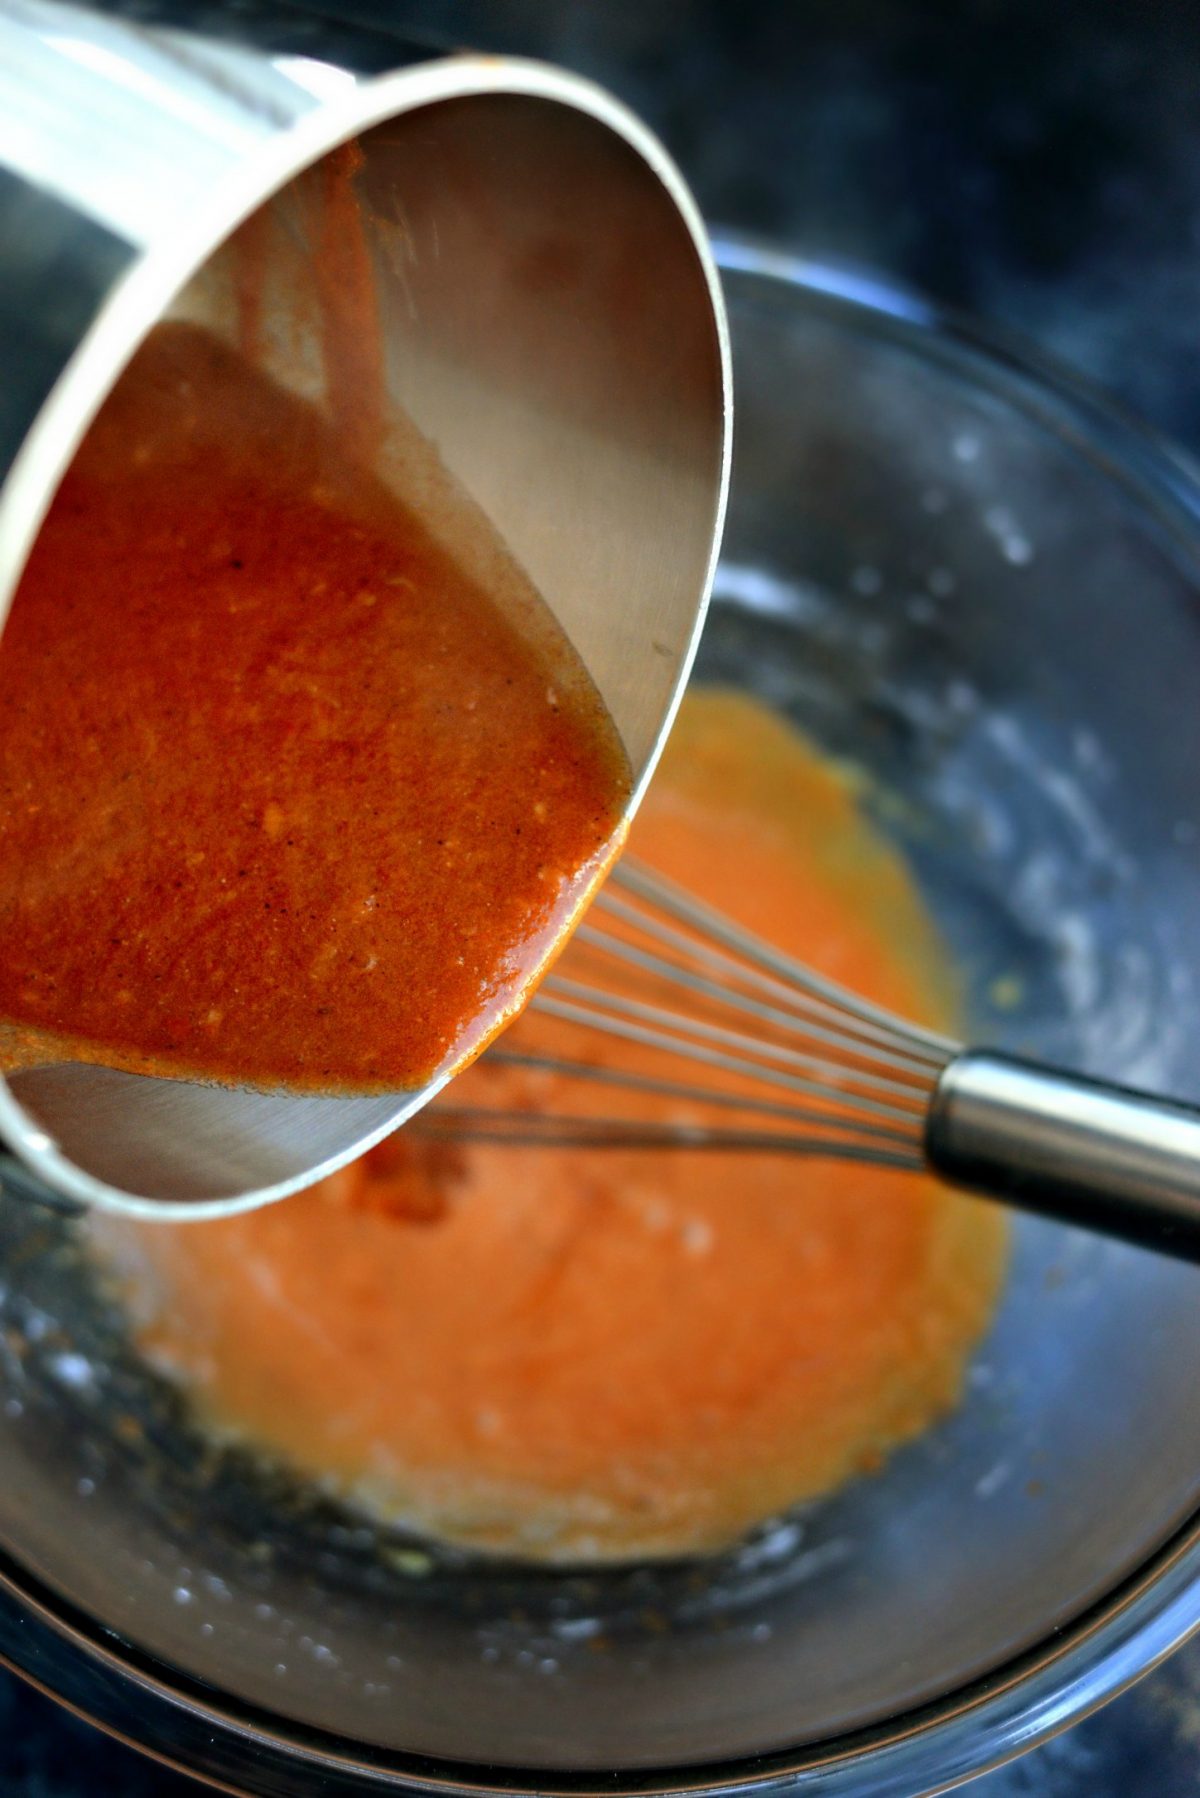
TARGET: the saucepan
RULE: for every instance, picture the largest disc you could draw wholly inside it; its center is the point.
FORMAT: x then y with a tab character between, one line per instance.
552	322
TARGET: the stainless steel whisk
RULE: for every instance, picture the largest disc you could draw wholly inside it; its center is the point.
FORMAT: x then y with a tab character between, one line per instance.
759	1052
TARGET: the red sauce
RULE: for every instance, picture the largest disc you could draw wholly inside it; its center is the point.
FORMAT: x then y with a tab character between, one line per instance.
286	798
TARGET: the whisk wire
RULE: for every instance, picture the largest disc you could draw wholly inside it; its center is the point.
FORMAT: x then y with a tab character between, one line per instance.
795	1021
655	1026
486	1124
800	1117
779	1057
657	890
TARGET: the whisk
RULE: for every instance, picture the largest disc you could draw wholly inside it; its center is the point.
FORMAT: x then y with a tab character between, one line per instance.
756	1051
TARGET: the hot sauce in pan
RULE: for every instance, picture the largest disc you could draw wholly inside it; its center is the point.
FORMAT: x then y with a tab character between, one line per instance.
286	797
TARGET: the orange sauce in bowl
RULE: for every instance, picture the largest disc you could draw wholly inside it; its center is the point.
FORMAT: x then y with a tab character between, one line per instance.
287	799
581	1355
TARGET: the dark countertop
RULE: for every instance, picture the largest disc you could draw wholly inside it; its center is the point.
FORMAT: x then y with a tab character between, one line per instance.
1038	165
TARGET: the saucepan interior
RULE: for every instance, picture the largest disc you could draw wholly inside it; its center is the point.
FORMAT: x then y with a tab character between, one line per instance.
571	382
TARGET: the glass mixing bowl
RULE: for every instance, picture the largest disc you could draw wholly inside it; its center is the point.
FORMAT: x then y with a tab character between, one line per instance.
959	571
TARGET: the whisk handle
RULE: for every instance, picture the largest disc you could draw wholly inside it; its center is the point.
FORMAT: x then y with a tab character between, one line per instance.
1079	1150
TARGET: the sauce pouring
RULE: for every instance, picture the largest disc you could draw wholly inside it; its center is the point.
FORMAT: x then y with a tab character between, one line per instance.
286	799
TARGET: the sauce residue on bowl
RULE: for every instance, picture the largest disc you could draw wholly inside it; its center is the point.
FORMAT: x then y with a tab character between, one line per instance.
574	1355
286	797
